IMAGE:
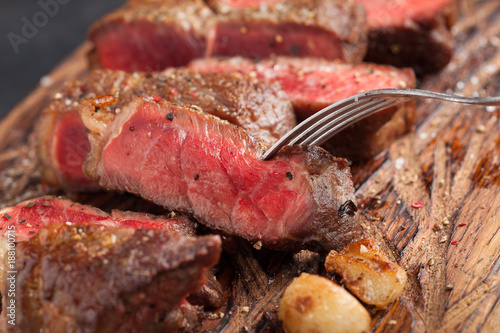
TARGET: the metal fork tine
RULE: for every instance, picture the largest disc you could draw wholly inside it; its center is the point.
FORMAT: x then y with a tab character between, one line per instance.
355	109
326	115
304	127
337	125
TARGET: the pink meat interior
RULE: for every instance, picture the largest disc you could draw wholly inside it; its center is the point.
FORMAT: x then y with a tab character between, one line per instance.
145	46
29	217
193	163
70	145
259	40
384	13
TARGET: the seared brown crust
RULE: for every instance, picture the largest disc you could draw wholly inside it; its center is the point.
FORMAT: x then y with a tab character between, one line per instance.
353	29
317	207
336	221
344	20
211	295
95	279
193	12
423	43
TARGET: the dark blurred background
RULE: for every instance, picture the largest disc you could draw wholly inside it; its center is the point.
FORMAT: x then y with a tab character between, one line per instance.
62	27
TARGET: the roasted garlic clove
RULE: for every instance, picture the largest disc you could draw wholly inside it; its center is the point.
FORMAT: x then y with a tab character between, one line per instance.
367	272
313	303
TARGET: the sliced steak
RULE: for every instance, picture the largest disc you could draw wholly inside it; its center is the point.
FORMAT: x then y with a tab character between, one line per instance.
29	217
331	29
410	33
313	84
262	109
151	35
191	161
26	219
88	278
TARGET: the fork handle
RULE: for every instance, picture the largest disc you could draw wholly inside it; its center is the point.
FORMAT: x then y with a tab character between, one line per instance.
420	93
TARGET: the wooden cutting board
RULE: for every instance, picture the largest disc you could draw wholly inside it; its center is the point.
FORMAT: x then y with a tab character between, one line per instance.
451	163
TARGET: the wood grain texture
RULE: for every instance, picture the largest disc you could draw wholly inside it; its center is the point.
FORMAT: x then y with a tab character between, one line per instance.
451	163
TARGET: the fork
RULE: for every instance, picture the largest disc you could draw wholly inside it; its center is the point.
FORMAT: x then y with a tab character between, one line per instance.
329	121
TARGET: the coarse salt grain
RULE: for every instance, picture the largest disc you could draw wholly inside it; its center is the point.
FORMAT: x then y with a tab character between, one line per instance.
424	135
399	162
490	69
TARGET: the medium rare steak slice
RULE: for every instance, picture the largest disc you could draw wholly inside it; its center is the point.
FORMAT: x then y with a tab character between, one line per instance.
313	84
262	109
88	278
29	217
410	33
191	161
332	29
151	35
